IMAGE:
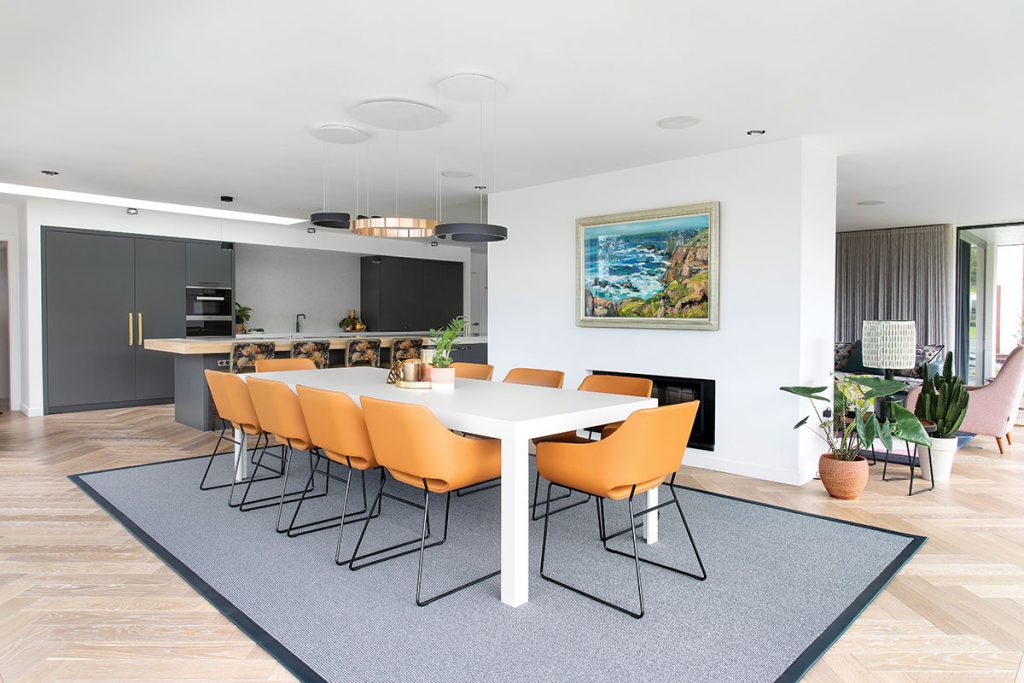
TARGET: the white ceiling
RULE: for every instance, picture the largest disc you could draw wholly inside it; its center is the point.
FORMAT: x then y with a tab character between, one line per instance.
184	101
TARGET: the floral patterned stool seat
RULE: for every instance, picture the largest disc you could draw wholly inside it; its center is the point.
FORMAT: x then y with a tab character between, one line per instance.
245	354
406	349
363	352
318	350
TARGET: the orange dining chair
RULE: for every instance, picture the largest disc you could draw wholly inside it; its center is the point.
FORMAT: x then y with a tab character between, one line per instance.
283	364
280	415
417	450
604	384
337	429
535	377
637	457
473	370
234	409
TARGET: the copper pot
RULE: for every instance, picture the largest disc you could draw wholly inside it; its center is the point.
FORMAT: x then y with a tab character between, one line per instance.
843	479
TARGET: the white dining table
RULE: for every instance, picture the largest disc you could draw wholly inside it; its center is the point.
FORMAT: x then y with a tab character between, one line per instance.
511	413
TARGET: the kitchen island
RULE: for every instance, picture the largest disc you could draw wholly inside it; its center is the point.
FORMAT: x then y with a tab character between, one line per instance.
192	405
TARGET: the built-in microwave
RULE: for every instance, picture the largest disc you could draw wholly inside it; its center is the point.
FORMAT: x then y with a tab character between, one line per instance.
208	312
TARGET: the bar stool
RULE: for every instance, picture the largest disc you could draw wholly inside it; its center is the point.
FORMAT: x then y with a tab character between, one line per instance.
280	415
282	364
473	370
417	450
245	354
235	410
637	457
406	349
318	350
363	352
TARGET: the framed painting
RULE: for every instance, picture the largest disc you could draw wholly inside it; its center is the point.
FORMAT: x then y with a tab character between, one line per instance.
651	269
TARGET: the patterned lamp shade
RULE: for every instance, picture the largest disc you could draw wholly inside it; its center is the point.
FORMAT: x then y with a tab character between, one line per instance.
889	344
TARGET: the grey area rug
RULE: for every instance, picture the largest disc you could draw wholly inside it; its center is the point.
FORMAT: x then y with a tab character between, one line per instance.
781	587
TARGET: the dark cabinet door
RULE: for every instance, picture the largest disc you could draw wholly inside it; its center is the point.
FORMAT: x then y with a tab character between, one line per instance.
159	313
90	319
404	295
207	265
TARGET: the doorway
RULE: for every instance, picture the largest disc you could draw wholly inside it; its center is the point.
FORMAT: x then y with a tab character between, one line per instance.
5	329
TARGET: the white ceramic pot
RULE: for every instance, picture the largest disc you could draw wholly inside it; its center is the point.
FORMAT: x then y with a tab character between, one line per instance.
442	379
941	464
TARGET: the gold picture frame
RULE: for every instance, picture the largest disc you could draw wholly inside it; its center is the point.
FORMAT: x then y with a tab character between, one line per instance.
655	269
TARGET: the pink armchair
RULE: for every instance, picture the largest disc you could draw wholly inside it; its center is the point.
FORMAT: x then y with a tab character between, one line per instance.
993	407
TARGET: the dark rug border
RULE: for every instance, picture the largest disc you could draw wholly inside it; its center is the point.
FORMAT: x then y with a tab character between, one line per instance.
257	633
793	673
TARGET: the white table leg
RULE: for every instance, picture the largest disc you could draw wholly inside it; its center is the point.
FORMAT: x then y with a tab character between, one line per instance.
651	518
241	456
515	520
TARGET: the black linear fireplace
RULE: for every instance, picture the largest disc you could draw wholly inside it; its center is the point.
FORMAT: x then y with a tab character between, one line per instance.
669	390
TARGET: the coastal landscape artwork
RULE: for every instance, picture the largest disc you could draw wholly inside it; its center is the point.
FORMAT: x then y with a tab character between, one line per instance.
655	268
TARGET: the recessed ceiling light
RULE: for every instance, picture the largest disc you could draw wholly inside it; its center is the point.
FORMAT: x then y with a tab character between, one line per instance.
456	174
338	134
132	211
870	202
470	87
50	172
227	198
399	114
677	122
755	132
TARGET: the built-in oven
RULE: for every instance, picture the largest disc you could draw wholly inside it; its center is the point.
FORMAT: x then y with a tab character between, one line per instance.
208	312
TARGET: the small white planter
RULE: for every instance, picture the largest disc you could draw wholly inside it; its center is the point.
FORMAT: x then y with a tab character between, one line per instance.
442	379
941	465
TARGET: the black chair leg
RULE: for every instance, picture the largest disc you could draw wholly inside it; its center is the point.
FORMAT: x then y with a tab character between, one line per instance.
420	601
574	589
536	503
353	562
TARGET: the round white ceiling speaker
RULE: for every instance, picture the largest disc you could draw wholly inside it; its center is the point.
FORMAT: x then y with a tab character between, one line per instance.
338	134
398	114
677	122
470	87
456	174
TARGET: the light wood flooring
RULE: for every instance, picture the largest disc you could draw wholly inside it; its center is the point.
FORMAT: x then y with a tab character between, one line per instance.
81	600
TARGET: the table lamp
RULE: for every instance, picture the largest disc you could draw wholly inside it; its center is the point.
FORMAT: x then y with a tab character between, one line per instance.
889	345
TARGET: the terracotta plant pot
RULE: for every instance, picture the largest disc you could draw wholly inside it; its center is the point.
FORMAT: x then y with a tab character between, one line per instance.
240	328
843	479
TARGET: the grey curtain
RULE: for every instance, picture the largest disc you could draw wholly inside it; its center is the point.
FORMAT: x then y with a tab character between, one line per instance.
897	274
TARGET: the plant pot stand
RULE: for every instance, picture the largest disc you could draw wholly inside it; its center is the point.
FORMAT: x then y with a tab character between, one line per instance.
929	427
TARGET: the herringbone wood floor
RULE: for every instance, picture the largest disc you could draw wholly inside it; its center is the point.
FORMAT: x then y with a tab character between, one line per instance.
81	600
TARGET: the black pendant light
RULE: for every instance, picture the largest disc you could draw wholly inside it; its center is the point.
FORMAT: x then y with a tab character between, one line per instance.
479	232
331	219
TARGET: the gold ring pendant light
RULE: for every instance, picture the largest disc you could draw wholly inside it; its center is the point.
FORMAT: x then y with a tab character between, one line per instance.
391	226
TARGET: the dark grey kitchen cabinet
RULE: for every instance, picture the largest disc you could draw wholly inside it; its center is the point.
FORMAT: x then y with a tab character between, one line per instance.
399	294
207	265
104	295
469	353
89	282
159	313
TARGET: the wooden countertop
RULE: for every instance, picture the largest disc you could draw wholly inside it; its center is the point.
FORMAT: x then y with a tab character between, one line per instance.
201	345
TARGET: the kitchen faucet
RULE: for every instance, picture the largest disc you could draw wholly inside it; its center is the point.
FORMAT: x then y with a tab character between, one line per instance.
298	323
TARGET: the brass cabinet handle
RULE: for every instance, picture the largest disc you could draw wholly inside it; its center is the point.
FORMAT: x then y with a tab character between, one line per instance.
131	340
140	329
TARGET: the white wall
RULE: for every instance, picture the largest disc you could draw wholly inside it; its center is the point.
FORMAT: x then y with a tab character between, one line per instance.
478	314
49	212
777	274
278	283
9	229
5	341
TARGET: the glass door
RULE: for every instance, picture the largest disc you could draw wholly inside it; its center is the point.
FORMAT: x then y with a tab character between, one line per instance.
970	360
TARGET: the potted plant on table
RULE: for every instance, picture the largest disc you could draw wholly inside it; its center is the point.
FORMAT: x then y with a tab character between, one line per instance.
943	401
848	426
442	374
242	316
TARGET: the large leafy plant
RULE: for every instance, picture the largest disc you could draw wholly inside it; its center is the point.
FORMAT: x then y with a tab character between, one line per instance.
242	314
848	425
443	340
943	400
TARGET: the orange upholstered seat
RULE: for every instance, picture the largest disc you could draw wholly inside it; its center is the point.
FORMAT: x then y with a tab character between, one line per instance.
535	377
336	426
473	370
414	446
279	412
281	364
232	400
